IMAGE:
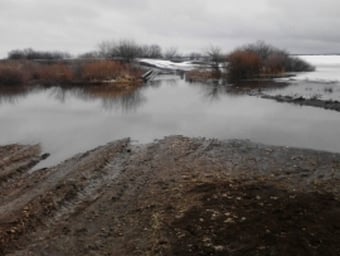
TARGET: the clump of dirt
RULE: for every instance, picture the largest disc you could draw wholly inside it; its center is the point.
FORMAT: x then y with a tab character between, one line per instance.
176	196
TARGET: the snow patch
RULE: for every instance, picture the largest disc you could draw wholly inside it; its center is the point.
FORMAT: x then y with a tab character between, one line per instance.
169	65
327	69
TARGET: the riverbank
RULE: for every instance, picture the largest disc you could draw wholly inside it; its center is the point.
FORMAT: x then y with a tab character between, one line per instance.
176	196
75	72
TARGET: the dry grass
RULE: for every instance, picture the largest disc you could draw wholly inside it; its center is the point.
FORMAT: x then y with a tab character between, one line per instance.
54	73
262	60
243	64
201	75
61	73
12	74
102	70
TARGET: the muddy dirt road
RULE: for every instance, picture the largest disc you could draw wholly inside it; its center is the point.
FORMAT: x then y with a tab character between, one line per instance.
176	196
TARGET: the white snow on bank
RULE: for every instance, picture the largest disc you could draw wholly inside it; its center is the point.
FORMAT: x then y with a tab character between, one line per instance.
321	59
327	69
170	65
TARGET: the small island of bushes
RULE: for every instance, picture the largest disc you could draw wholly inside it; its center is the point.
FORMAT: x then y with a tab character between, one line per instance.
250	62
261	60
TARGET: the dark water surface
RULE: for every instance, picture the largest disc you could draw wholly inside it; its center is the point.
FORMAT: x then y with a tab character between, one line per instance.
70	121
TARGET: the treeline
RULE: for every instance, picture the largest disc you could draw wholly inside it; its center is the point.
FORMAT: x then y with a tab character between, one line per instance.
251	61
129	50
30	54
125	50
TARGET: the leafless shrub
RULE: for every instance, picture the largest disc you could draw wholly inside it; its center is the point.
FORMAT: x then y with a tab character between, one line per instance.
171	53
127	50
243	64
261	59
11	74
216	57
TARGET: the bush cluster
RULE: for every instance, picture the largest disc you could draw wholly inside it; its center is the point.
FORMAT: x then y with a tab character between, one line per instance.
261	59
243	64
11	74
21	72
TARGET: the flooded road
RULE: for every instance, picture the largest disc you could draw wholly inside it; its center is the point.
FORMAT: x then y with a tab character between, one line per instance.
69	121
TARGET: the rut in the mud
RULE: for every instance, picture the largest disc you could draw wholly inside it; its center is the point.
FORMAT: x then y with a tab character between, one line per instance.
172	197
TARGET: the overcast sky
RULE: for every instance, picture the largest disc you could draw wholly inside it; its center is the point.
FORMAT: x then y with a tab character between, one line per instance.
76	26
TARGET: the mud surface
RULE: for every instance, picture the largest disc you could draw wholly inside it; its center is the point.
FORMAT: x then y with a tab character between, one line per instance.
326	104
176	196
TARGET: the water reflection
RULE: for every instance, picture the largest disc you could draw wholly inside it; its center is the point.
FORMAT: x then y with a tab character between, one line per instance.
12	95
131	99
67	121
171	80
214	91
127	101
110	98
59	94
310	89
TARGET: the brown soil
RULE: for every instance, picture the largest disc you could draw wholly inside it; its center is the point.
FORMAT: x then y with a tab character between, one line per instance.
176	196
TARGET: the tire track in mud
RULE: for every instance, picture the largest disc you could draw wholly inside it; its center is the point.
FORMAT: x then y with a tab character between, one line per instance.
15	161
96	181
126	199
60	192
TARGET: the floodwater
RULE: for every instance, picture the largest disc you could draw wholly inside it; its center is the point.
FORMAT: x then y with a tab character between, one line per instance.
323	84
69	121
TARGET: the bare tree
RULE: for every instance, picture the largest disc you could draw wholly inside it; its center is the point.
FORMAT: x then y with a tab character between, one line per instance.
216	57
127	50
195	56
153	51
263	50
106	48
171	53
90	55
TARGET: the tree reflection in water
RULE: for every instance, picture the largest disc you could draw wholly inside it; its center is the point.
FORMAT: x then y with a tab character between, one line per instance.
12	95
214	91
128	101
111	98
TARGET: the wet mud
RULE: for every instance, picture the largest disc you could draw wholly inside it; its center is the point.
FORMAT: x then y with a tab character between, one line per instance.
175	196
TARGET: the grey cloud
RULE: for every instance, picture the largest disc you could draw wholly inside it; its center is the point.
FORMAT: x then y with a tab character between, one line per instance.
79	25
